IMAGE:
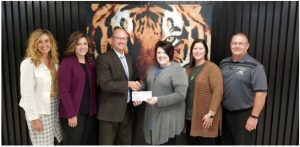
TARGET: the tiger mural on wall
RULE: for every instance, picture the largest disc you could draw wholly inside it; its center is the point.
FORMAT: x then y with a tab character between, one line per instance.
146	24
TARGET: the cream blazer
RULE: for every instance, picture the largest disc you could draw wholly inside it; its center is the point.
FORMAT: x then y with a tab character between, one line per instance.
35	84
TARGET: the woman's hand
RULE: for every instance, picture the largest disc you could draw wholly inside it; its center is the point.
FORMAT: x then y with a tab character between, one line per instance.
37	125
207	121
152	100
72	122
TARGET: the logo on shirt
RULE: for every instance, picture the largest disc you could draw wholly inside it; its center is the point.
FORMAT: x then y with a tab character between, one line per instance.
240	70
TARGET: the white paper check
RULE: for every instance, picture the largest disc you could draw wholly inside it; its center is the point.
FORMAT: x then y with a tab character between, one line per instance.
141	95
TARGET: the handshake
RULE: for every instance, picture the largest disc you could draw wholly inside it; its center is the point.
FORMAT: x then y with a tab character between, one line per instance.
135	85
141	96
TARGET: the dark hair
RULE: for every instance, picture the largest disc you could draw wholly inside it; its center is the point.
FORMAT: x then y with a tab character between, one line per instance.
167	47
72	41
192	61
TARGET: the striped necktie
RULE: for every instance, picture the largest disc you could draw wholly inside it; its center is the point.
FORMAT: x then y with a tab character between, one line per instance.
125	66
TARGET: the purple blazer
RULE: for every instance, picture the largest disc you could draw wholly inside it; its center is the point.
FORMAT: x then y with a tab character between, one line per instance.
71	79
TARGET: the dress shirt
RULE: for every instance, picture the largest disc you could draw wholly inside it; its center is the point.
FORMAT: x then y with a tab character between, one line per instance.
125	66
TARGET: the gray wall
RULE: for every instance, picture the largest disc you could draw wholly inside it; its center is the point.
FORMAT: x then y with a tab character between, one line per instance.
273	29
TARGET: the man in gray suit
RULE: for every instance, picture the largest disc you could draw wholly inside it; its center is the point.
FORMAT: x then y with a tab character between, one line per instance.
117	75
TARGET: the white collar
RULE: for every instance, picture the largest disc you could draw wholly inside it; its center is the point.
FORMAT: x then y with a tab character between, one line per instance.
119	55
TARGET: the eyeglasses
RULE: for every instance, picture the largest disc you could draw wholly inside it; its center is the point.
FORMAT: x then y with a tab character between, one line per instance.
120	38
238	43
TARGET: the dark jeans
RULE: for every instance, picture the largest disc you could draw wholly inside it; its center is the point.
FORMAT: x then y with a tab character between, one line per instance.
197	140
85	133
234	131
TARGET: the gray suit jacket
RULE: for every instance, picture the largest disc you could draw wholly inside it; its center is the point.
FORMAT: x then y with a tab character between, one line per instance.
113	83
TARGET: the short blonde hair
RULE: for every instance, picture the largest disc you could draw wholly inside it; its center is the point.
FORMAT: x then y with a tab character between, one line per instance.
32	51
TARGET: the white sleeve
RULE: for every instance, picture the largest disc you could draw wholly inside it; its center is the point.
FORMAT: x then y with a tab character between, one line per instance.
27	85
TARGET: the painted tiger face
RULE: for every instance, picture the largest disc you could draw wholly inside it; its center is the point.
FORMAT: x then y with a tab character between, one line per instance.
146	24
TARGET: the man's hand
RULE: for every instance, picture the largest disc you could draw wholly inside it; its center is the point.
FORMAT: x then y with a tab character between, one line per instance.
137	103
251	123
134	85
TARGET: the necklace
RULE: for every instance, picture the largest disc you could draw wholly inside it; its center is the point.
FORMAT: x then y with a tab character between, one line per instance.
195	72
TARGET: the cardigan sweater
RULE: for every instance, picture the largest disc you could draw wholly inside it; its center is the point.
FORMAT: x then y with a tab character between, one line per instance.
167	115
207	96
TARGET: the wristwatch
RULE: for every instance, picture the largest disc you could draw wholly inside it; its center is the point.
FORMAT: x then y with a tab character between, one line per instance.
211	116
253	116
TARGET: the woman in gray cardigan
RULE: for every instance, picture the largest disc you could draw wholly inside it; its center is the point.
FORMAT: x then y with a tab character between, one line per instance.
165	111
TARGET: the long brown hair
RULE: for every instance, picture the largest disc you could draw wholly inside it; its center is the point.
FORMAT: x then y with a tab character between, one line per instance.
192	61
73	40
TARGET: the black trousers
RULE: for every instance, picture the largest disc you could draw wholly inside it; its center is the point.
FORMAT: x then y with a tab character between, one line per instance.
234	131
197	140
85	133
116	133
171	141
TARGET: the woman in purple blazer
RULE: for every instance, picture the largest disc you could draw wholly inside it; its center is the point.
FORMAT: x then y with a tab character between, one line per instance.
77	90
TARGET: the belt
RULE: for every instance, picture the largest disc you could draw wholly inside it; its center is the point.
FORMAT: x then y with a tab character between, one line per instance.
240	110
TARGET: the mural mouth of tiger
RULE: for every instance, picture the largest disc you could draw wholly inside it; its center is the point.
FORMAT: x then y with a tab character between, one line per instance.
146	24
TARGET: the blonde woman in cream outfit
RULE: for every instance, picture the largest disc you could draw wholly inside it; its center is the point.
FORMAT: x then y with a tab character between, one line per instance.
39	88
